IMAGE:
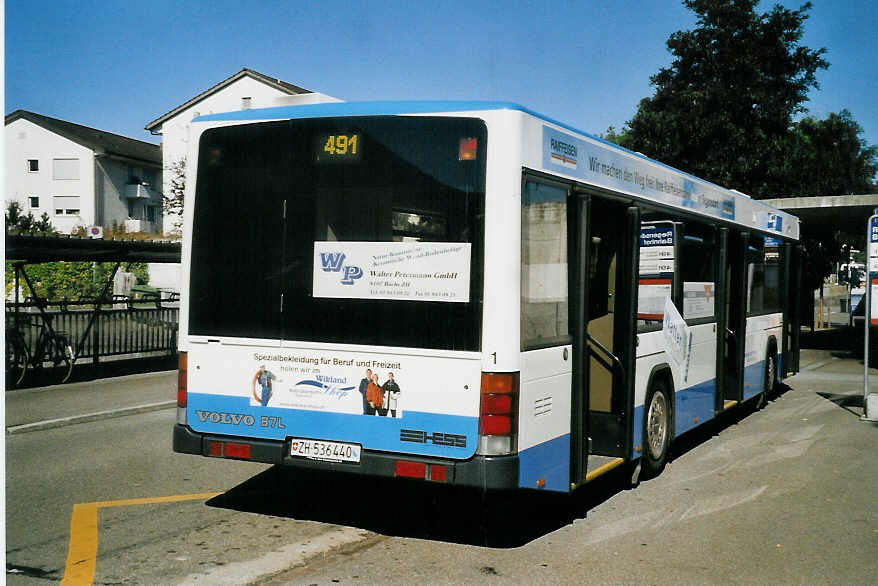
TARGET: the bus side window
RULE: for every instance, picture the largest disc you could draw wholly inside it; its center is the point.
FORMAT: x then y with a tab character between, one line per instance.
764	269
544	308
656	271
698	272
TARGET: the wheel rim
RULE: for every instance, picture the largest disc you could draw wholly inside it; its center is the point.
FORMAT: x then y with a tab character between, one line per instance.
769	374
657	425
63	361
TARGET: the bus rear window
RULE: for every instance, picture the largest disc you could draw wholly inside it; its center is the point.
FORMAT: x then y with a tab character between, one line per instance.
363	230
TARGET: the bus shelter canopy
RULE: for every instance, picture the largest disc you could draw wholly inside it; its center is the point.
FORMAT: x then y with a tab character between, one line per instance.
39	249
827	216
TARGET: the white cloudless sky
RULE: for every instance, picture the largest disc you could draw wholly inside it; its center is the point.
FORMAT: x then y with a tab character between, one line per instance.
118	64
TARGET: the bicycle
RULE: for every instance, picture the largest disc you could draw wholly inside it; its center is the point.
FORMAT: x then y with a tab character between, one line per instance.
17	357
51	347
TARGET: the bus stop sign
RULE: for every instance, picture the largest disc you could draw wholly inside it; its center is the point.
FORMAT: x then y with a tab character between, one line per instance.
870	400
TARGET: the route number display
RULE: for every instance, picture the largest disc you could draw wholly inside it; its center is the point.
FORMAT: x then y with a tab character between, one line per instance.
339	147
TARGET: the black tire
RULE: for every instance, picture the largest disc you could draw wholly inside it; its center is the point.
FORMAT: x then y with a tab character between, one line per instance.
770	381
17	359
656	429
62	359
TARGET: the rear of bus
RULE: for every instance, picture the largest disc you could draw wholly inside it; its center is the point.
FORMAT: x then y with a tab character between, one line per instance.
332	299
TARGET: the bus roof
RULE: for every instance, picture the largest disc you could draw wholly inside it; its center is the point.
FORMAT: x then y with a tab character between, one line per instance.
400	108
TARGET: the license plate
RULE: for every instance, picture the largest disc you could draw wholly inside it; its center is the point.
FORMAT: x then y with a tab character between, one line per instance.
328	451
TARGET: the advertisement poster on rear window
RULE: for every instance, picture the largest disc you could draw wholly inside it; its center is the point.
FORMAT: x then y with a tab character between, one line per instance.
409	271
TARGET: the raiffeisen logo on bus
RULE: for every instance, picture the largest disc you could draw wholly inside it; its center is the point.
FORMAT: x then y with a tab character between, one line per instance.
333	262
563	153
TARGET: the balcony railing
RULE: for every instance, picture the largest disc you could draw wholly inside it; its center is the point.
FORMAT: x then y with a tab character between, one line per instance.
137	191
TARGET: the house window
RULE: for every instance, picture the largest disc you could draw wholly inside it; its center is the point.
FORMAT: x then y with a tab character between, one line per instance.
34	201
66	205
65	169
150	213
33	165
135	175
245	103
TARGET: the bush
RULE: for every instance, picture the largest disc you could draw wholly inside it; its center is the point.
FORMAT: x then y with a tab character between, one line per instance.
72	280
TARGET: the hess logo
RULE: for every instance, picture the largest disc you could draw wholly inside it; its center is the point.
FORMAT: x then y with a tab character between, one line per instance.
333	262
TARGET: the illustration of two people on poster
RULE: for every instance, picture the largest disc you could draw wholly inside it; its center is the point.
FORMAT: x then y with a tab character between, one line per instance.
379	399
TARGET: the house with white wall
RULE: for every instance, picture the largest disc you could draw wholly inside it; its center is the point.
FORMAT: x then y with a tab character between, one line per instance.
244	90
82	176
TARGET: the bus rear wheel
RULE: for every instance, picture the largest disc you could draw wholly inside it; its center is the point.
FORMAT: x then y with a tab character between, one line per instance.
770	380
656	429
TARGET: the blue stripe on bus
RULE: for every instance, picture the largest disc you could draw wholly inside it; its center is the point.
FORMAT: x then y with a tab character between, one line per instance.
228	415
377	108
694	406
549	460
698	401
689	403
754	377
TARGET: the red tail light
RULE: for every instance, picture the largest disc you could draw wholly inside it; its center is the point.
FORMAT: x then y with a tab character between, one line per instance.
498	424
496	404
182	379
495	425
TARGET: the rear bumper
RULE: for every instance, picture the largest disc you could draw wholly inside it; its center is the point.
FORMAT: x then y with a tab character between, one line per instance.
485	472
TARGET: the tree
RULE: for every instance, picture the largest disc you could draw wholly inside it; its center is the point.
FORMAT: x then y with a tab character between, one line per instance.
60	280
724	108
172	203
828	157
27	225
72	280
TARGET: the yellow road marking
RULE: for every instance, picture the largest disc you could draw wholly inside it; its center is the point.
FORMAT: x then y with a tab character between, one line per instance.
83	549
156	500
82	552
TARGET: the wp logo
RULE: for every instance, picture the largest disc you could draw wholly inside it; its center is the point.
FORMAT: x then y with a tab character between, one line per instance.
333	262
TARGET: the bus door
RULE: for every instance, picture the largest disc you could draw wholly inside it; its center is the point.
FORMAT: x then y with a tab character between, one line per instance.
735	284
604	294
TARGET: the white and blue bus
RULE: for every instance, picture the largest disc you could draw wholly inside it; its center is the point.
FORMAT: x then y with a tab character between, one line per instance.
466	293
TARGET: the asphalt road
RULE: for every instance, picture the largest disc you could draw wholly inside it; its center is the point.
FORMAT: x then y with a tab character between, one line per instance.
786	495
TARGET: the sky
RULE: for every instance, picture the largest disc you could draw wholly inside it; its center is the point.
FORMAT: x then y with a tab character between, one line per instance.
117	65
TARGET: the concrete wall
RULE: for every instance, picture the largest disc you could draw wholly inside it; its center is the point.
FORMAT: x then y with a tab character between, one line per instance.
26	140
164	276
112	176
175	131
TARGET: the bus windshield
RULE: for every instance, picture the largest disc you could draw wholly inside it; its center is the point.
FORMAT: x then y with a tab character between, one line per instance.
272	197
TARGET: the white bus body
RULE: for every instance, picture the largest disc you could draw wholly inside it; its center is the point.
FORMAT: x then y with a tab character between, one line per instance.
480	402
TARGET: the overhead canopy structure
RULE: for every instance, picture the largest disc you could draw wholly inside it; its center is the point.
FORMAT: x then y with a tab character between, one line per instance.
826	216
25	250
38	249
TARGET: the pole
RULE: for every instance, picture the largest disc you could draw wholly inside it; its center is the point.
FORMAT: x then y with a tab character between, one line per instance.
870	412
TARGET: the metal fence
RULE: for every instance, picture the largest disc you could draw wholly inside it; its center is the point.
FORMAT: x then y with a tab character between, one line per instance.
123	327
